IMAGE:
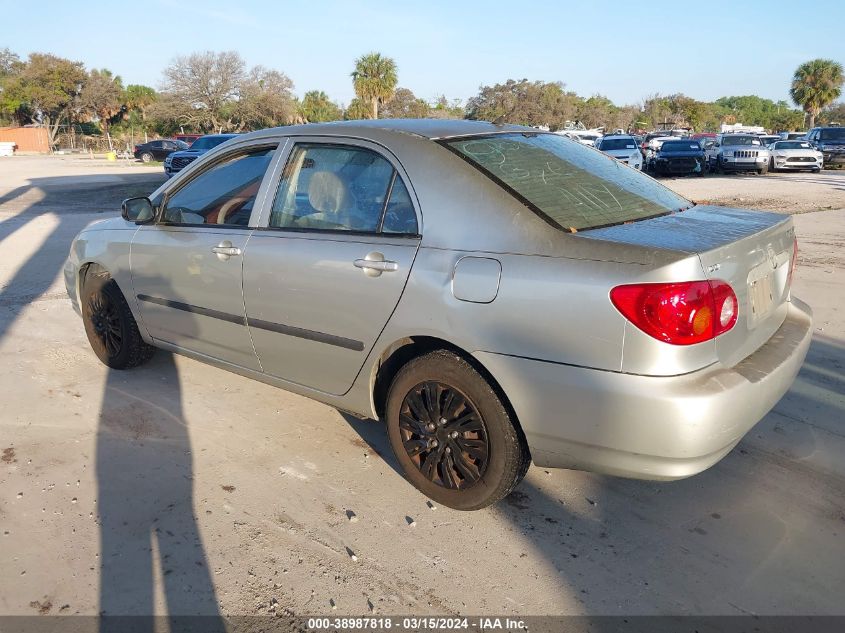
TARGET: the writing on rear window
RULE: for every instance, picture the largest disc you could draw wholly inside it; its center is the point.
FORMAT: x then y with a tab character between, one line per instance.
573	187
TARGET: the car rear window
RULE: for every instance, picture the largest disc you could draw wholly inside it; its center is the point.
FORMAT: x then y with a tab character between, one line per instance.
571	186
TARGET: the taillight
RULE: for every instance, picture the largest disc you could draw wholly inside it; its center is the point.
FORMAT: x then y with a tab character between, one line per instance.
793	263
682	313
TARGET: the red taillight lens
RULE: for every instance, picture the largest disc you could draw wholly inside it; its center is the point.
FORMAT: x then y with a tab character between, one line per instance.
793	263
679	313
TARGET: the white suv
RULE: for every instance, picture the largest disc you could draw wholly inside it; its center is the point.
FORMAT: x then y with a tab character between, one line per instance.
623	148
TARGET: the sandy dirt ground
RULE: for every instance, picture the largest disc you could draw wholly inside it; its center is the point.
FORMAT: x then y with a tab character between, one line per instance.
786	192
179	488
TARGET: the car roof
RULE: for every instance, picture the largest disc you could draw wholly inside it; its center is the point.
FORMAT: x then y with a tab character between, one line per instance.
426	128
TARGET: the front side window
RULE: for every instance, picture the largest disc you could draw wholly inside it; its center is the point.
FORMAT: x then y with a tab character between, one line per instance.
224	194
572	187
341	188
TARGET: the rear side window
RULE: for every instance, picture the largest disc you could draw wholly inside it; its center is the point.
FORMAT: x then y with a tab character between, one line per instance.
572	187
341	188
222	195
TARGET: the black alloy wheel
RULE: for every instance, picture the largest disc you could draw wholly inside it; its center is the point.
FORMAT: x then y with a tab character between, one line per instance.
111	329
444	435
105	322
452	432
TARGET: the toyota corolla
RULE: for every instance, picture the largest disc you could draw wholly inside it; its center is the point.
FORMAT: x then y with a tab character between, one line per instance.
495	294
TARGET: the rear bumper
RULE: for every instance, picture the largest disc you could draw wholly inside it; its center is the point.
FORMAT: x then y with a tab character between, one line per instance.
649	427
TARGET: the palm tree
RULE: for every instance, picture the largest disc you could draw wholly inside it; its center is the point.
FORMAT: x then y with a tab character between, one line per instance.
816	84
374	79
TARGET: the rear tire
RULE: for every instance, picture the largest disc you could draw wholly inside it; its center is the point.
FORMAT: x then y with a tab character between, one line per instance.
110	326
451	433
146	157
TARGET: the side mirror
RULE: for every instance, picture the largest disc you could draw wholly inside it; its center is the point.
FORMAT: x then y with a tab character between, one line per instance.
137	210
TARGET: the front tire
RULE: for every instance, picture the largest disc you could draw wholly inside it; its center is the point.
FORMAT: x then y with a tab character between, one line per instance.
763	170
110	326
452	434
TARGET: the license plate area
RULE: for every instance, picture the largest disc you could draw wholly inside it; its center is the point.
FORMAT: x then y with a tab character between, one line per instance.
760	298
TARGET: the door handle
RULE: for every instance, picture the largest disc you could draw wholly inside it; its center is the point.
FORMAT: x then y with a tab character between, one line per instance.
224	250
374	264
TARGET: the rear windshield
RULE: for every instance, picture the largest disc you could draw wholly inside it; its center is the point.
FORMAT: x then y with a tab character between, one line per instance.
571	186
832	134
618	143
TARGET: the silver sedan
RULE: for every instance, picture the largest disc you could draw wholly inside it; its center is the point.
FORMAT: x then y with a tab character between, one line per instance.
495	294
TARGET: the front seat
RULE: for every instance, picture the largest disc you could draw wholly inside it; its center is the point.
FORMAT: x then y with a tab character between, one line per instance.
329	195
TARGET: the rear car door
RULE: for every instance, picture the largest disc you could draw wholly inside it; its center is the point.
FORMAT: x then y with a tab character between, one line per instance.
327	266
186	268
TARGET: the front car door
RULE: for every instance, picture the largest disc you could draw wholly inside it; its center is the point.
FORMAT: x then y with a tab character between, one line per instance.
186	268
328	264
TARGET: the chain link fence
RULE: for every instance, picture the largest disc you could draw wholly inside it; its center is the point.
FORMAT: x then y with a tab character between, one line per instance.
71	139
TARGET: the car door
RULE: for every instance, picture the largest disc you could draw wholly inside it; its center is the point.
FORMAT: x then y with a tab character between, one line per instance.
167	147
155	148
186	268
328	264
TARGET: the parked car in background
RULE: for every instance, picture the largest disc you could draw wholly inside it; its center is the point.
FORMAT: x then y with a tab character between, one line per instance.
585	137
830	141
703	137
654	144
738	152
623	148
419	272
768	139
178	161
795	155
677	157
187	138
651	136
158	150
791	136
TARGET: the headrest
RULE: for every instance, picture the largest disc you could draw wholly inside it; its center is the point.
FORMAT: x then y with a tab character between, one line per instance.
327	193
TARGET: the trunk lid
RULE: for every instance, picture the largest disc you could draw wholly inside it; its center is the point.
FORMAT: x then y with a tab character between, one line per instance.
751	250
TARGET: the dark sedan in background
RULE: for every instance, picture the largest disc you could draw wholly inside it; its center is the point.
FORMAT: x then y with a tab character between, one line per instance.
179	160
677	158
158	150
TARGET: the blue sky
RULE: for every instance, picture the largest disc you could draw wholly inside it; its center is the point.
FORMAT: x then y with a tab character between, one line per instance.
624	50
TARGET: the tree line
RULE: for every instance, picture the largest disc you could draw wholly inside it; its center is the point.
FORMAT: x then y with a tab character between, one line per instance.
216	92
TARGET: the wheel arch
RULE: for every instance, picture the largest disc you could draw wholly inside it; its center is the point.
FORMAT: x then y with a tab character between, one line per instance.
402	351
89	268
94	267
